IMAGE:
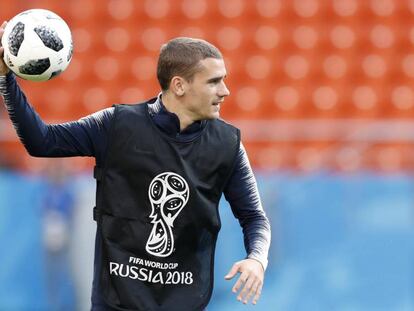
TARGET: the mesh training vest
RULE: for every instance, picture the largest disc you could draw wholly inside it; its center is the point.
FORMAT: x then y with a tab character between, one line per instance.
157	211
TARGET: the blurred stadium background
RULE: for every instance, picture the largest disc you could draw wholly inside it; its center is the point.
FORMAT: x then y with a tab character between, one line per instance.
323	92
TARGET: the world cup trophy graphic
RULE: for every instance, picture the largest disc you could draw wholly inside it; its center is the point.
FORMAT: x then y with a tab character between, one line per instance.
168	194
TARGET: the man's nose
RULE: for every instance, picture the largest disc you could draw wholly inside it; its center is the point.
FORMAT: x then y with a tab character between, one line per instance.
224	91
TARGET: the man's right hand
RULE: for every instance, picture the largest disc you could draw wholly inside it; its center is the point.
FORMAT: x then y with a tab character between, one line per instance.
3	68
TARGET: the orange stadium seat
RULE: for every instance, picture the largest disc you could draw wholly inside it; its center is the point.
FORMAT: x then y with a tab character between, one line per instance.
286	60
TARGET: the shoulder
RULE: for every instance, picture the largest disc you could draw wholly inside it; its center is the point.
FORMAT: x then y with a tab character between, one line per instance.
221	123
101	118
139	107
229	130
225	133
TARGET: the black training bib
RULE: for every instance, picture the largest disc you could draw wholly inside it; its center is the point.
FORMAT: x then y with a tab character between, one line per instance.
157	210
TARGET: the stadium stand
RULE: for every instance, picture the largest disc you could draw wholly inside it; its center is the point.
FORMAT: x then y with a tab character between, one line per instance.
288	61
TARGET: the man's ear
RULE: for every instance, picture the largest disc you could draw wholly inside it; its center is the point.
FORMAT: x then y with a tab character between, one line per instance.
178	85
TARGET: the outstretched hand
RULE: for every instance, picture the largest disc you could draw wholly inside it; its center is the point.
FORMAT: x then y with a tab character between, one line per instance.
250	281
3	68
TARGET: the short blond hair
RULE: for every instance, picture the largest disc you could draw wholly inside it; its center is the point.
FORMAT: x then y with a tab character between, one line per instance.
181	56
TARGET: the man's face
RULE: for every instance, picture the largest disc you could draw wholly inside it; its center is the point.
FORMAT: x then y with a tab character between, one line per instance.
206	92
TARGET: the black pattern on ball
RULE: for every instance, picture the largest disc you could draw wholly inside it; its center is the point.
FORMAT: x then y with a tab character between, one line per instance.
70	51
35	67
8	61
49	38
16	38
55	73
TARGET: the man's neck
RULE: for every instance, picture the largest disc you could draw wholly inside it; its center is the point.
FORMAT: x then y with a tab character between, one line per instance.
172	104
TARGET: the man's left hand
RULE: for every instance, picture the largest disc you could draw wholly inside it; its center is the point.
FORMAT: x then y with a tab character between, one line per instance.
250	281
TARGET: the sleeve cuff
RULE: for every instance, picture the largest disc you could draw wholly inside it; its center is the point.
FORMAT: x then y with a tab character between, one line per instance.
263	261
5	81
7	74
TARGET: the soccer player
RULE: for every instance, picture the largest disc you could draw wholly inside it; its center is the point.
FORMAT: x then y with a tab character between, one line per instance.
161	168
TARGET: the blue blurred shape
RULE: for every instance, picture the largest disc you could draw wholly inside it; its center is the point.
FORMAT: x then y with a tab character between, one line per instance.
340	242
21	270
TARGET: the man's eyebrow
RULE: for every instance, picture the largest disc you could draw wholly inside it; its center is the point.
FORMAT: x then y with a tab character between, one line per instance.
215	79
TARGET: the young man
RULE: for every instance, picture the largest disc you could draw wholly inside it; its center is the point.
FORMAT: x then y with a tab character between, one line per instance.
161	168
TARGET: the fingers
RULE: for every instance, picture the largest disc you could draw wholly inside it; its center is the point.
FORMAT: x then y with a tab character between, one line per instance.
258	293
2	27
233	271
252	292
246	292
2	30
252	288
240	282
250	282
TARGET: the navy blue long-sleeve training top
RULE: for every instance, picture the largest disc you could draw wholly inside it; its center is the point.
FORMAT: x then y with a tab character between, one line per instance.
89	137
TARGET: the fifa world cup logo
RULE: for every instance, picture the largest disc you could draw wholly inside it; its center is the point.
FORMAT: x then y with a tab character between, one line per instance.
168	194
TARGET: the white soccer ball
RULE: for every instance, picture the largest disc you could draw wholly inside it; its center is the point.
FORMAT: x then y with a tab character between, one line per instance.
37	45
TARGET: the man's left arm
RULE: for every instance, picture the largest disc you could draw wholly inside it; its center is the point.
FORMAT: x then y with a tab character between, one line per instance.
242	194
